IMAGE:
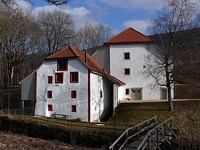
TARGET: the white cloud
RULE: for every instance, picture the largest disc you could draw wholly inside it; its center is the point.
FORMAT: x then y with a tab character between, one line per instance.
98	10
80	15
46	8
135	4
80	11
26	6
139	25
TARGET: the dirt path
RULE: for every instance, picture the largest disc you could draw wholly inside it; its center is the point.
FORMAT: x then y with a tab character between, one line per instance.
10	141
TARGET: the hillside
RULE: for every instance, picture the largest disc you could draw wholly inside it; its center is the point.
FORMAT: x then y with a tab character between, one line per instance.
13	141
93	135
134	113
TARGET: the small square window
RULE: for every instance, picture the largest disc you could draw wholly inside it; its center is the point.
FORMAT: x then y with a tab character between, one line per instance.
73	108
50	79
127	71
50	107
73	77
101	94
49	94
126	55
73	94
127	91
59	78
62	65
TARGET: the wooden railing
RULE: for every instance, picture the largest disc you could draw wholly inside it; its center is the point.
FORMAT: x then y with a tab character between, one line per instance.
133	132
89	126
164	132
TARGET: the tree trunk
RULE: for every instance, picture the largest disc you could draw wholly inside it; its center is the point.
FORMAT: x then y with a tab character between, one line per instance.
169	94
169	97
12	76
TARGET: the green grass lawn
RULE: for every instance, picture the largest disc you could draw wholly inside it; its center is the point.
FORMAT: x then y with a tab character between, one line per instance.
134	113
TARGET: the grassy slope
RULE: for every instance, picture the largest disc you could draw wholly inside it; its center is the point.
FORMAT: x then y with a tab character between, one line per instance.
130	114
134	113
126	113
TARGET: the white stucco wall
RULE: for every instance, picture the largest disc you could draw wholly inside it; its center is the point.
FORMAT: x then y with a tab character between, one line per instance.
99	105
61	93
136	63
115	95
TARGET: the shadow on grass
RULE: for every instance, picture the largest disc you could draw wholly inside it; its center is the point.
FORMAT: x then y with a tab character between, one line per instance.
143	106
134	113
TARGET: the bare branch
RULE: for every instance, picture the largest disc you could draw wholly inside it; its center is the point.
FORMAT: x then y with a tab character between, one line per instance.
57	2
174	28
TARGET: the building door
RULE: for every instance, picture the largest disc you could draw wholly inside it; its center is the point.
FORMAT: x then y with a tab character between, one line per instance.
136	94
163	93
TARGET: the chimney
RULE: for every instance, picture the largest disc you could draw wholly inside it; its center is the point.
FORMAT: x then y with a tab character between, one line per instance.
85	56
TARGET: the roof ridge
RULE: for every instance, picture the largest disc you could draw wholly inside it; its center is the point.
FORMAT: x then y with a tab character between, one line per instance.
128	35
116	35
72	49
54	53
141	33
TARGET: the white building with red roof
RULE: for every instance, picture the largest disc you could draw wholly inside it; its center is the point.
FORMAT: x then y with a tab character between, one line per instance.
71	83
125	56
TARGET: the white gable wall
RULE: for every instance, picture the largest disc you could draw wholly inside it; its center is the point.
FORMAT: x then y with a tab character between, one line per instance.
115	96
61	93
100	106
137	79
95	100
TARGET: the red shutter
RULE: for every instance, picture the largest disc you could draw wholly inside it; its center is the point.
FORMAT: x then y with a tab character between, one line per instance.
73	108
49	94
50	79
50	107
73	94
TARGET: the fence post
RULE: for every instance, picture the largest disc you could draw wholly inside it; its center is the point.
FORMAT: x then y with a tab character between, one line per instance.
138	128
157	134
171	124
149	142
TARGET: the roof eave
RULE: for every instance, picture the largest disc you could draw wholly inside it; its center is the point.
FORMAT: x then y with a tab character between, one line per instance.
120	84
60	58
20	82
137	42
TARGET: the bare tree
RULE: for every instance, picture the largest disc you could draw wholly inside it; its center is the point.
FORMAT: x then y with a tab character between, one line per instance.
8	3
91	36
15	40
54	31
57	2
174	28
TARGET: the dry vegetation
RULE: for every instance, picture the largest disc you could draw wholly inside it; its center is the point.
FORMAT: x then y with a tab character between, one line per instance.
134	113
185	112
10	141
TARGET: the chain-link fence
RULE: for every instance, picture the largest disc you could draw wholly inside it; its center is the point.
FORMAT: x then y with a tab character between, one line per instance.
10	102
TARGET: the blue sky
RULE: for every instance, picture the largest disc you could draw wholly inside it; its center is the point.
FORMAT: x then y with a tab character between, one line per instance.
116	14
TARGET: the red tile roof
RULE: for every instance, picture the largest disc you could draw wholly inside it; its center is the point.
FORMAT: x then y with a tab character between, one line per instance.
62	54
91	64
128	36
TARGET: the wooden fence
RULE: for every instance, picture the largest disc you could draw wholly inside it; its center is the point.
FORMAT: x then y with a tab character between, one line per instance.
75	124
